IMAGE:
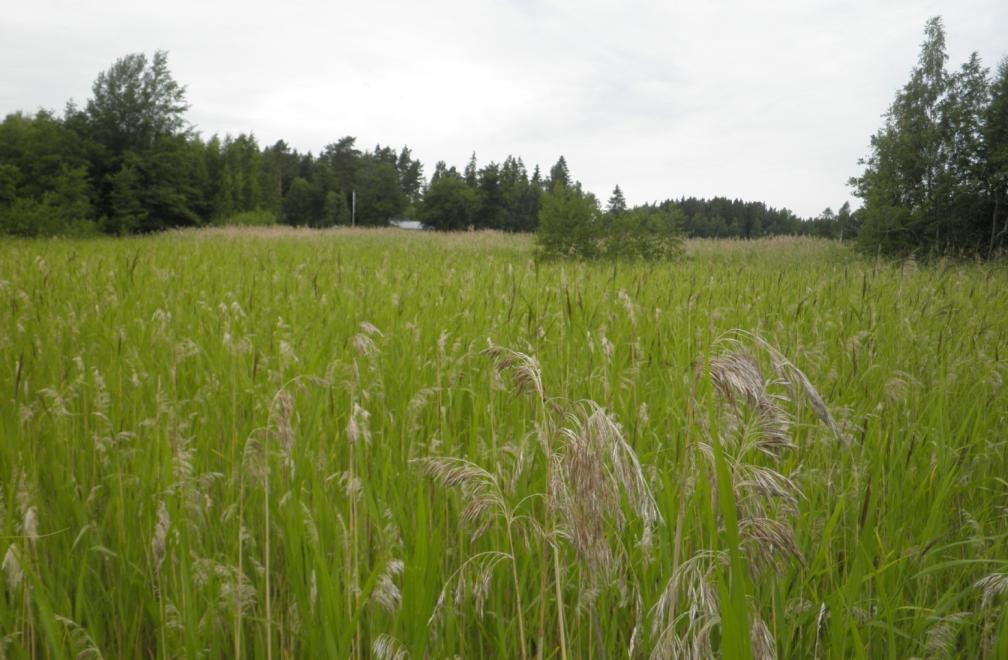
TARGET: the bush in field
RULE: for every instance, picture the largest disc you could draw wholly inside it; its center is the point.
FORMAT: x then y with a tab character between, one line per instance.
647	232
571	224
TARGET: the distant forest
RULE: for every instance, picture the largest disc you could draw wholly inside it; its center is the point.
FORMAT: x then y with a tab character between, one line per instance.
128	162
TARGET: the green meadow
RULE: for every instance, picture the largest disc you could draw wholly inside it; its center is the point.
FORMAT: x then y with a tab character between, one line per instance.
271	443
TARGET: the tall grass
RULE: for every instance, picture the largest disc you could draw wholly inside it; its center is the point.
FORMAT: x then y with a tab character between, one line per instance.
288	443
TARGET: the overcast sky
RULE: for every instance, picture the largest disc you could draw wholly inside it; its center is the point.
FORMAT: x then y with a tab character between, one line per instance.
771	100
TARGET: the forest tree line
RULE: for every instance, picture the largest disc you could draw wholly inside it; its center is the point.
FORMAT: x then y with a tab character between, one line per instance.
936	178
720	217
128	162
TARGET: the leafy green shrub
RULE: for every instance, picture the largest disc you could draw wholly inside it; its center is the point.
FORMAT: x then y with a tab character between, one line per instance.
64	210
571	224
647	232
28	217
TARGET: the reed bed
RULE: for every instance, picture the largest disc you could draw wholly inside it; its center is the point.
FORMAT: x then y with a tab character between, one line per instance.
272	443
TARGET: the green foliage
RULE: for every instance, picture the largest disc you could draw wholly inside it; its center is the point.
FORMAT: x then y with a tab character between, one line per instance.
238	181
841	225
448	204
521	194
410	175
126	211
493	211
335	210
617	202
379	196
647	232
559	175
996	142
572	225
505	197
9	177
470	173
930	185
720	217
44	187
134	102
69	196
39	148
147	170
300	206
48	217
169	192
138	147
64	209
27	217
144	170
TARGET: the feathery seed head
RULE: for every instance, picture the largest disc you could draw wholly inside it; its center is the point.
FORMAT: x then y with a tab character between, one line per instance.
387	647
991	587
29	527
386	593
12	568
480	489
358	428
942	634
737	376
370	330
768	541
364	345
160	537
523	369
763	645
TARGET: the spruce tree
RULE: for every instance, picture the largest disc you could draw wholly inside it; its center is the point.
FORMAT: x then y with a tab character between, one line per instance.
559	175
617	202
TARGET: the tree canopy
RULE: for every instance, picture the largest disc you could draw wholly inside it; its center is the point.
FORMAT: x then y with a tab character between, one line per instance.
934	180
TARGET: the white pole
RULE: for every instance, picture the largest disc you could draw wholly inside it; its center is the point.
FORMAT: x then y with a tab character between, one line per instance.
353	205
